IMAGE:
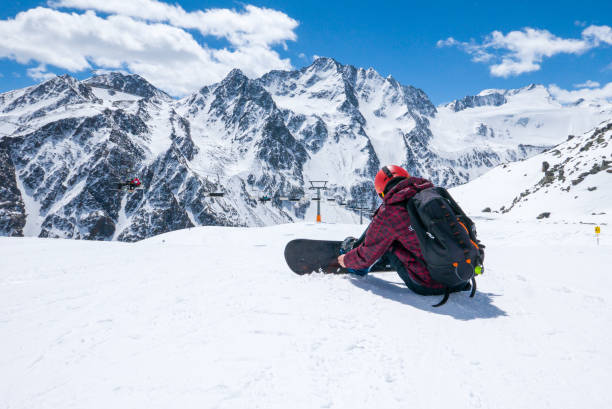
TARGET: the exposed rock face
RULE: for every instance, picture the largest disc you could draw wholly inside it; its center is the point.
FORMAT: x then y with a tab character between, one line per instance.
586	155
492	99
12	209
132	84
71	142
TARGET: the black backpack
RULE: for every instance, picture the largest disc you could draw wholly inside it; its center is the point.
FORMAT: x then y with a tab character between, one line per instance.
452	253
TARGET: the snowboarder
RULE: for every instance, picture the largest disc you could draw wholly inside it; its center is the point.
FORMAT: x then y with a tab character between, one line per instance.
130	184
390	238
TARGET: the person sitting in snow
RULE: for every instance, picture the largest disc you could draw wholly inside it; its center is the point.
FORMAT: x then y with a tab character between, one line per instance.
390	239
130	184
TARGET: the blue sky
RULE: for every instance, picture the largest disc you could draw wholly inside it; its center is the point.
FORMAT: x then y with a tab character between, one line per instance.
431	45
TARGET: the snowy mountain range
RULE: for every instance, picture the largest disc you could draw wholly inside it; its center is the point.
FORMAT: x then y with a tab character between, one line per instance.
66	143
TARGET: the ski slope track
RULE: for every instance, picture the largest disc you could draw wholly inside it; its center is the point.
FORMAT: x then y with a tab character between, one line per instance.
212	317
65	144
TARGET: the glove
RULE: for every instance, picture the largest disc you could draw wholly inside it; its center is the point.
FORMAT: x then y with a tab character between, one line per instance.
361	272
347	245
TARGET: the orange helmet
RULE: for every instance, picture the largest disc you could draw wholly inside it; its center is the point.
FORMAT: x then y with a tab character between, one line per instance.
385	175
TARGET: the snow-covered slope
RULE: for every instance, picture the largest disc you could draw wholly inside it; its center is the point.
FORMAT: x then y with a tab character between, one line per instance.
571	182
212	317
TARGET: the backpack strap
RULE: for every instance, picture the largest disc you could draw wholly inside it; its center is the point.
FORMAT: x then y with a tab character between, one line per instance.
456	208
447	293
415	220
466	221
445	299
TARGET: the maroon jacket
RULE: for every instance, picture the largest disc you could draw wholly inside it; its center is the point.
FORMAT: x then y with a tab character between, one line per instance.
390	230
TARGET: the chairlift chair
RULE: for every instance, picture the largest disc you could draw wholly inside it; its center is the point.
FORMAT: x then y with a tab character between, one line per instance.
255	194
126	178
289	198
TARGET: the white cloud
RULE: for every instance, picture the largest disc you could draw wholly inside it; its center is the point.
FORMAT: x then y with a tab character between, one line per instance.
589	94
254	26
450	41
40	73
588	84
598	34
149	38
523	51
479	53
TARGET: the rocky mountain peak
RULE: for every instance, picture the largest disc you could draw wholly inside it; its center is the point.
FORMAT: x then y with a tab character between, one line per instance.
531	89
473	101
58	91
132	84
235	79
237	89
324	64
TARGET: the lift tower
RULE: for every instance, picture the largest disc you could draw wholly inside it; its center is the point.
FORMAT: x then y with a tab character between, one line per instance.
318	185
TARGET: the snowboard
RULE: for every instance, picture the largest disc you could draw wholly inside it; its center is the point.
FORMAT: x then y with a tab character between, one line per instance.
305	256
